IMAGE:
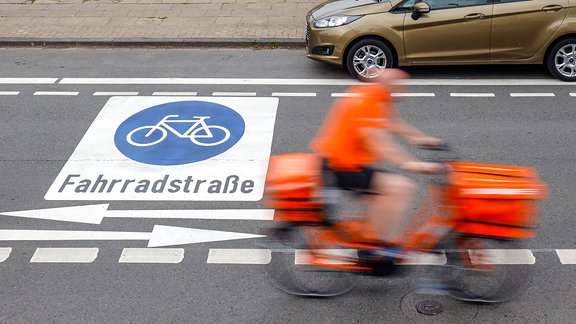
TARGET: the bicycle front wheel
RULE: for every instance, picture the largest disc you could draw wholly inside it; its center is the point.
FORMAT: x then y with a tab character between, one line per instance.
291	272
487	270
211	135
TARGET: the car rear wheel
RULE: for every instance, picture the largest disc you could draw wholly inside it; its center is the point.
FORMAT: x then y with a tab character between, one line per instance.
367	58
562	60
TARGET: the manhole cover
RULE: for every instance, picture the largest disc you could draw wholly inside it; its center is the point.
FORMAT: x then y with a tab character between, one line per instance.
423	308
429	307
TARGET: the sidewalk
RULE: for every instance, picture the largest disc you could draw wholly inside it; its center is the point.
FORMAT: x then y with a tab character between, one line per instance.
153	22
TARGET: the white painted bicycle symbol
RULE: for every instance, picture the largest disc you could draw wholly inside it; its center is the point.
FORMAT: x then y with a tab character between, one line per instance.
199	132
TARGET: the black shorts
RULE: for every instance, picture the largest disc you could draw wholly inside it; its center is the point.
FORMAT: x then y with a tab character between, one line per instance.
359	181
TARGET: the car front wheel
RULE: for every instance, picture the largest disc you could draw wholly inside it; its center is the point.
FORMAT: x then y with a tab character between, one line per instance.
562	60
367	58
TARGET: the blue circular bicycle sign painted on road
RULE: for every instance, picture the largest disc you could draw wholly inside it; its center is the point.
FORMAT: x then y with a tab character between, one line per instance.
179	132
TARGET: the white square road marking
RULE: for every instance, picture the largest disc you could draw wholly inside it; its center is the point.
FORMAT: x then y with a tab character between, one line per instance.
102	167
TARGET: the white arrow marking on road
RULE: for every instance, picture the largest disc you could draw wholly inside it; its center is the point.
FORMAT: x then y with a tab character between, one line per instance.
93	214
160	236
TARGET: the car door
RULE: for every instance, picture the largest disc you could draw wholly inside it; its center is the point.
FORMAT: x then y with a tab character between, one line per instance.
520	29
453	31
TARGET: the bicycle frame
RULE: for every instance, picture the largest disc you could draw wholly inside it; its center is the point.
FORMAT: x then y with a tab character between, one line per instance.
165	123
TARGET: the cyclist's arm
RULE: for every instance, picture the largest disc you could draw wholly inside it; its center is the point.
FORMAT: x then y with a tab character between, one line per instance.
383	145
413	135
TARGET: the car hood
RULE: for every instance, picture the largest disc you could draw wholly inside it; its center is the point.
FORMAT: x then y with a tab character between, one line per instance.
356	7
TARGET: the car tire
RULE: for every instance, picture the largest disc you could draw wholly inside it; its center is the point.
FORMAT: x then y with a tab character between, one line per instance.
561	60
366	55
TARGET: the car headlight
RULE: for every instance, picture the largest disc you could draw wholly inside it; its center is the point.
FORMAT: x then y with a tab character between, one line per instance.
334	21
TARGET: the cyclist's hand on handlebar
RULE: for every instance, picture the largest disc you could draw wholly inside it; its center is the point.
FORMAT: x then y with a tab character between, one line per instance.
424	167
430	143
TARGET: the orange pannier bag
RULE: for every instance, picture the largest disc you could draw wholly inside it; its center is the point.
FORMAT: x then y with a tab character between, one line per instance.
293	187
495	200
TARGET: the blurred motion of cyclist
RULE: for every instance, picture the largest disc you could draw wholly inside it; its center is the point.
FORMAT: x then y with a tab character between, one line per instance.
357	134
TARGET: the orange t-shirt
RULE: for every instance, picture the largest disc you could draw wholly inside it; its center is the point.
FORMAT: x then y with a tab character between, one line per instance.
339	139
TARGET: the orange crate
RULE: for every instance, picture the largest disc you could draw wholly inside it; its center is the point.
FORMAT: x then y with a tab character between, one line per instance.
293	187
495	200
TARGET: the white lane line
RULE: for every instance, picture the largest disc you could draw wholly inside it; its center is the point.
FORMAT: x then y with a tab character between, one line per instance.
396	94
293	94
566	256
572	94
239	256
327	82
413	94
164	93
472	95
65	255
5	253
344	94
9	93
497	256
28	80
424	259
151	255
234	94
115	93
56	93
531	94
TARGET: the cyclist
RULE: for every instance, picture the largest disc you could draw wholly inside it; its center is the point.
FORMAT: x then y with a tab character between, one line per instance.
357	134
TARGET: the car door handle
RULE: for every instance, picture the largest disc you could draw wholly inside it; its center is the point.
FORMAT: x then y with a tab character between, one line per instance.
552	8
474	16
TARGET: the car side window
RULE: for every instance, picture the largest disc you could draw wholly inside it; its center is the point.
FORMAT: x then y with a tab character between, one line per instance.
445	4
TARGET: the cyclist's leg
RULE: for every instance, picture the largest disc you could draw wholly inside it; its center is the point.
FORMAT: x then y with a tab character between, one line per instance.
391	197
388	197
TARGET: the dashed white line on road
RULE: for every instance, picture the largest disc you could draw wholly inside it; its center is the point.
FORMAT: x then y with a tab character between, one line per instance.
566	256
235	94
239	256
532	94
65	255
457	94
5	253
572	94
9	93
56	93
151	255
293	94
413	94
114	93
163	93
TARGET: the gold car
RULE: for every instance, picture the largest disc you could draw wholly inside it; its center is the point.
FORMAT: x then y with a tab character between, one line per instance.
361	34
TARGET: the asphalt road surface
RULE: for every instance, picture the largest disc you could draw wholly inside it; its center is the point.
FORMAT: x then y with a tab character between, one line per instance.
129	254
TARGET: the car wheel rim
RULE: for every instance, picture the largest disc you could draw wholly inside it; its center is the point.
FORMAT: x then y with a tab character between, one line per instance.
369	61
565	60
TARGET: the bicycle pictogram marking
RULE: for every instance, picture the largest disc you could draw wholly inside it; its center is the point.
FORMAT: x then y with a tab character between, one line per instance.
180	132
199	132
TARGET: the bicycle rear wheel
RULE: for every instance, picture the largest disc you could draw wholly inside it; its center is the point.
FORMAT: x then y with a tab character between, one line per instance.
290	271
487	270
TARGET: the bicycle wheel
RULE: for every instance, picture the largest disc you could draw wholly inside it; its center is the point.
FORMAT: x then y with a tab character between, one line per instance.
290	272
487	270
210	135
146	136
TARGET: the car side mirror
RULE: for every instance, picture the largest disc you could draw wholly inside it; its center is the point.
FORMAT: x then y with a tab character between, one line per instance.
418	9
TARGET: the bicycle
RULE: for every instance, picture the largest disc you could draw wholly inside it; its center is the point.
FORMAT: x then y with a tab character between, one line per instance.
473	217
198	130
